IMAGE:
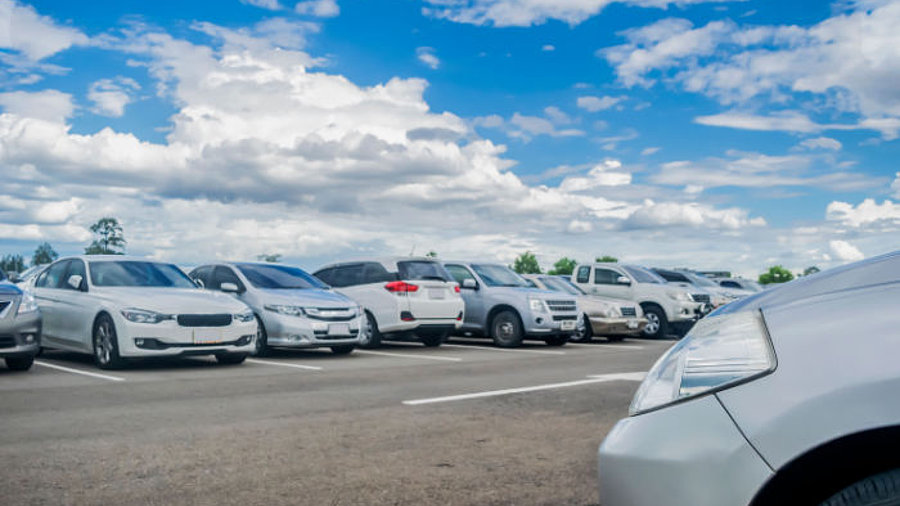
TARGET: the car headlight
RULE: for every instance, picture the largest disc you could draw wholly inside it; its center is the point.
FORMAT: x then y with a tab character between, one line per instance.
28	304
537	305
680	295
608	311
718	352
144	316
245	317
287	310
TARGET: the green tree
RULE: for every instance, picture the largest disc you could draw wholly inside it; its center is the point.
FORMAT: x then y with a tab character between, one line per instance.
110	238
811	270
775	274
44	254
564	265
12	263
526	263
431	254
606	258
269	258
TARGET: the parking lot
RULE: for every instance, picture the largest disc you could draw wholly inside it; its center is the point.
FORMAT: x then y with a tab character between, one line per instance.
463	424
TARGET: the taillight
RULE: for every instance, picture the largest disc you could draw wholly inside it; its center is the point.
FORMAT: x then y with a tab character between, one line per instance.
401	287
456	288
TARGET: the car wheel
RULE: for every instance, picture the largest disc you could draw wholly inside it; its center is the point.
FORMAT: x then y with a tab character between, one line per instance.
231	358
19	363
557	340
657	325
583	331
106	344
369	337
262	339
506	329
343	350
879	490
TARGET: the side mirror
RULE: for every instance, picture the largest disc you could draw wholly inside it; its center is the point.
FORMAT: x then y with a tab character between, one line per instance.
199	282
75	281
622	280
229	288
469	284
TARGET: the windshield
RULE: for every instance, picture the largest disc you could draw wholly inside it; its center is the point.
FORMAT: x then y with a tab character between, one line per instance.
642	275
138	273
279	277
700	280
422	270
561	285
498	275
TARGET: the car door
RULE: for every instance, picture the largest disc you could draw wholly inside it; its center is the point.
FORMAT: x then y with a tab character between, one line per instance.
369	280
473	297
606	283
46	294
75	309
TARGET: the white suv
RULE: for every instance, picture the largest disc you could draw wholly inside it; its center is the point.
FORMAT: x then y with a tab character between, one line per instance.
403	297
664	306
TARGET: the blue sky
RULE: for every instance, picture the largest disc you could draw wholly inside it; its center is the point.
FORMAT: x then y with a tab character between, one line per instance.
705	134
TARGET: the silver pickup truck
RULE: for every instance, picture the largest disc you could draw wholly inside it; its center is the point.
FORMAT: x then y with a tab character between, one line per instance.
501	305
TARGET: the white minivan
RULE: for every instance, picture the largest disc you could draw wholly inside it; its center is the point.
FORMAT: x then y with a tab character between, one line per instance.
403	298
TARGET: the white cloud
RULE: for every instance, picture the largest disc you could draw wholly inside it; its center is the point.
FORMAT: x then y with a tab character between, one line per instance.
793	121
525	128
895	186
548	47
272	5
822	143
845	251
650	151
602	174
867	214
110	96
596	104
674	214
318	8
34	36
426	55
50	105
557	115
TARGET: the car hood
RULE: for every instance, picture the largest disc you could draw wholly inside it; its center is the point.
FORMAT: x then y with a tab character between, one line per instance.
306	297
881	270
536	292
170	300
592	299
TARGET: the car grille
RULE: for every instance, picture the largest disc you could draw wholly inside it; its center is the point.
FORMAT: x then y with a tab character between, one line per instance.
204	320
333	314
567	306
560	318
7	342
628	311
700	297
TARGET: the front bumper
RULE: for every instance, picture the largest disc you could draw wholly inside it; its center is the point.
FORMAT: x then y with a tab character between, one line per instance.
685	312
688	454
617	326
302	332
541	325
20	335
167	339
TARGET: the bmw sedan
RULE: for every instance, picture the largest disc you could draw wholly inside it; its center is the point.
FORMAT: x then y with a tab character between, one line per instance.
116	308
789	396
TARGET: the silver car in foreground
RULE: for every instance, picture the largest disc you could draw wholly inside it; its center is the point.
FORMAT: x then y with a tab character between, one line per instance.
20	327
790	396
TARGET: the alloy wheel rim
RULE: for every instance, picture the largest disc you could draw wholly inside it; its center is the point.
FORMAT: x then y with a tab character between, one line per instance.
505	330
104	343
366	331
652	324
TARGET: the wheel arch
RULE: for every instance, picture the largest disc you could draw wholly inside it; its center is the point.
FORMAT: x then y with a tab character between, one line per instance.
497	309
838	463
652	303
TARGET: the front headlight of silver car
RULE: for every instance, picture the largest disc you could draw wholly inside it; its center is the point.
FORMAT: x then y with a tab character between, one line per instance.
144	316
607	310
680	295
718	352
287	310
537	305
245	317
28	304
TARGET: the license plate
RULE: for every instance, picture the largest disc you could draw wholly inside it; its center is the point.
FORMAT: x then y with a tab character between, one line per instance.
339	330
436	293
207	337
632	324
567	325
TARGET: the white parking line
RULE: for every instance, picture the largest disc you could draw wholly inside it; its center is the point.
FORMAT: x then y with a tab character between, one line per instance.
514	350
600	346
284	364
405	355
78	371
601	378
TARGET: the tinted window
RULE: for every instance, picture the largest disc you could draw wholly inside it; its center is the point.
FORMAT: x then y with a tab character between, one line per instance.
605	277
460	273
278	277
498	275
138	273
730	284
346	275
561	285
52	277
642	275
374	272
699	280
201	275
76	268
416	270
325	275
224	275
672	276
584	274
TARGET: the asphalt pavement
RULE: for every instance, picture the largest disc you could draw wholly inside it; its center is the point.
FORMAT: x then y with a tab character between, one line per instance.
466	423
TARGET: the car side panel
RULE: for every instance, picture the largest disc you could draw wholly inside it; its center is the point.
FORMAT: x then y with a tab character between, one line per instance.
383	305
835	375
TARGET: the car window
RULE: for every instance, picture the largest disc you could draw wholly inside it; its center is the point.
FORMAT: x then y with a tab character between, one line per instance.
201	275
584	274
138	273
346	275
531	283
560	285
374	272
605	276
672	276
642	275
224	274
498	275
325	275
282	277
52	277
459	273
729	284
76	268
422	270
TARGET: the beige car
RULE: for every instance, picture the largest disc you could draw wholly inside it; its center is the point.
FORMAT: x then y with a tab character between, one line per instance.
614	319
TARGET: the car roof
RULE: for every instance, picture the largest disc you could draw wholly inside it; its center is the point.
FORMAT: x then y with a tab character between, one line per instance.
114	258
385	261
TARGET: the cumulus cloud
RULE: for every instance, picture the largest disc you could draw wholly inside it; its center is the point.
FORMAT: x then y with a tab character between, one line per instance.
845	251
603	174
895	186
674	214
868	213
318	8
426	55
50	105
33	36
272	5
822	143
596	104
110	96
525	127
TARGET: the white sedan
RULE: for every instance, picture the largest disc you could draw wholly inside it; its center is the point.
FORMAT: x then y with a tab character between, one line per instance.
116	307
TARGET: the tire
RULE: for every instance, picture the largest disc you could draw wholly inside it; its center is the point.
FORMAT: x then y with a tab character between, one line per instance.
657	324
261	349
433	339
106	344
369	336
879	490
19	363
583	332
557	340
231	358
506	329
615	339
343	350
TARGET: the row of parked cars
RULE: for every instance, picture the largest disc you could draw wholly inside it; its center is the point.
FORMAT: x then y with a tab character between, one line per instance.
117	307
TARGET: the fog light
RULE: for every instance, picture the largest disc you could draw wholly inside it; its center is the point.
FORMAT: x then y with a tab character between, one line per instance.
539	320
29	338
139	343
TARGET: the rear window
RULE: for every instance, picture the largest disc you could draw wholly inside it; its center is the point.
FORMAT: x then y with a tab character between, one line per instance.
422	270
